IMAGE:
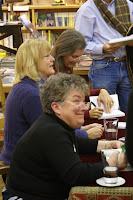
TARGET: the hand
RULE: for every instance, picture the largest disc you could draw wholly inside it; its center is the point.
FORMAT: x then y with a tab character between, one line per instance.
122	161
109	48
130	44
95	113
106	99
95	132
112	144
87	127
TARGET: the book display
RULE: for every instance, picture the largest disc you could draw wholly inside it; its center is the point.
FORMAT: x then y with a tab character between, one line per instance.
50	20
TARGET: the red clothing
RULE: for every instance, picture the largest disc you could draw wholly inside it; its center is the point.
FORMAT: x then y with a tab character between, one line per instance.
93	92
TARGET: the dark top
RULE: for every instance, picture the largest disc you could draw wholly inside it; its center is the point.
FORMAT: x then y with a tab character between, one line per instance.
129	130
46	162
23	107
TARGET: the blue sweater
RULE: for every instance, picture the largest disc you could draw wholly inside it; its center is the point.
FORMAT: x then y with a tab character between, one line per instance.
23	107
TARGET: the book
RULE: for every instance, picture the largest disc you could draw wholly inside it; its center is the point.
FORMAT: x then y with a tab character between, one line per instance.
57	4
2	23
71	19
42	19
27	23
50	19
115	112
19	8
85	63
56	19
122	41
60	19
82	68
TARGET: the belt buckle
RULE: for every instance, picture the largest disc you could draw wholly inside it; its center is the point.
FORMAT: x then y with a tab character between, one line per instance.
116	59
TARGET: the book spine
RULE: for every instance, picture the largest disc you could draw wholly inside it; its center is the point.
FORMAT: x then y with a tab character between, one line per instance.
49	36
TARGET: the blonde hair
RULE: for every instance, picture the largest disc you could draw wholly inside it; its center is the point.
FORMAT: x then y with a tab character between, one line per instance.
28	59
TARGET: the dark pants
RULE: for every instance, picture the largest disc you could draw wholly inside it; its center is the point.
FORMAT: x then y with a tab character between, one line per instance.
7	196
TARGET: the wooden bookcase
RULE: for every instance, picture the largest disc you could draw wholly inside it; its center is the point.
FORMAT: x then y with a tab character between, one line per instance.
33	9
53	9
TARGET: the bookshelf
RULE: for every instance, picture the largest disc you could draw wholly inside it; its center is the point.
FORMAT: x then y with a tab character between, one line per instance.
45	30
35	10
46	9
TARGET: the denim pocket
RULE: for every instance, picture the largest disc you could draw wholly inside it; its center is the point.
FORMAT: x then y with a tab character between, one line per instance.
102	68
99	64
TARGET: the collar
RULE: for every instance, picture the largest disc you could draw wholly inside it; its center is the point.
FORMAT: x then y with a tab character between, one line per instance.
108	3
32	82
61	122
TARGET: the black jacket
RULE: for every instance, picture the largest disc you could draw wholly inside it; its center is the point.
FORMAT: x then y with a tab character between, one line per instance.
46	162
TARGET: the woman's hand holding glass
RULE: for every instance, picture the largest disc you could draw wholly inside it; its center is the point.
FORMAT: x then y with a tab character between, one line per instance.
113	144
121	159
110	144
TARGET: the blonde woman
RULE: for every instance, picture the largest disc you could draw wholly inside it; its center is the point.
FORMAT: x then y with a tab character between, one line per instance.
23	106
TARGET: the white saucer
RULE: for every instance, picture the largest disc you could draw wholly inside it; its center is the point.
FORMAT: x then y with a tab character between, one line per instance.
101	182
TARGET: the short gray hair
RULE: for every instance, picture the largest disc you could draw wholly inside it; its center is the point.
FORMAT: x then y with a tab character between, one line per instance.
57	87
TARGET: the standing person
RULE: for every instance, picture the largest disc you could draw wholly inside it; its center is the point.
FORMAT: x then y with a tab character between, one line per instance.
100	21
23	106
46	163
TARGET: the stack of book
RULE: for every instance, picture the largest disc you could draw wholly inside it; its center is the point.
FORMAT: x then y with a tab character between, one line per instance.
85	62
7	62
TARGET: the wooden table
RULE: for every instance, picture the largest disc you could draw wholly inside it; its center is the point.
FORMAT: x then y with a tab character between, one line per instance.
7	87
80	72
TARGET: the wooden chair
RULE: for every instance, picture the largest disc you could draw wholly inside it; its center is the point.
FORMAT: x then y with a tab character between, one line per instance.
2	96
2	102
4	168
2	112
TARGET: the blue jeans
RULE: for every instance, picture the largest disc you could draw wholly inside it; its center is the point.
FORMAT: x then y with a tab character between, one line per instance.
114	77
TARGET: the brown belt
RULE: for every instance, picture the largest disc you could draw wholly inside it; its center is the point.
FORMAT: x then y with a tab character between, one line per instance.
114	59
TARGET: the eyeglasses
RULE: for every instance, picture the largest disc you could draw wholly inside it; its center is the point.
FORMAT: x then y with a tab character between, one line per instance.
80	105
75	57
